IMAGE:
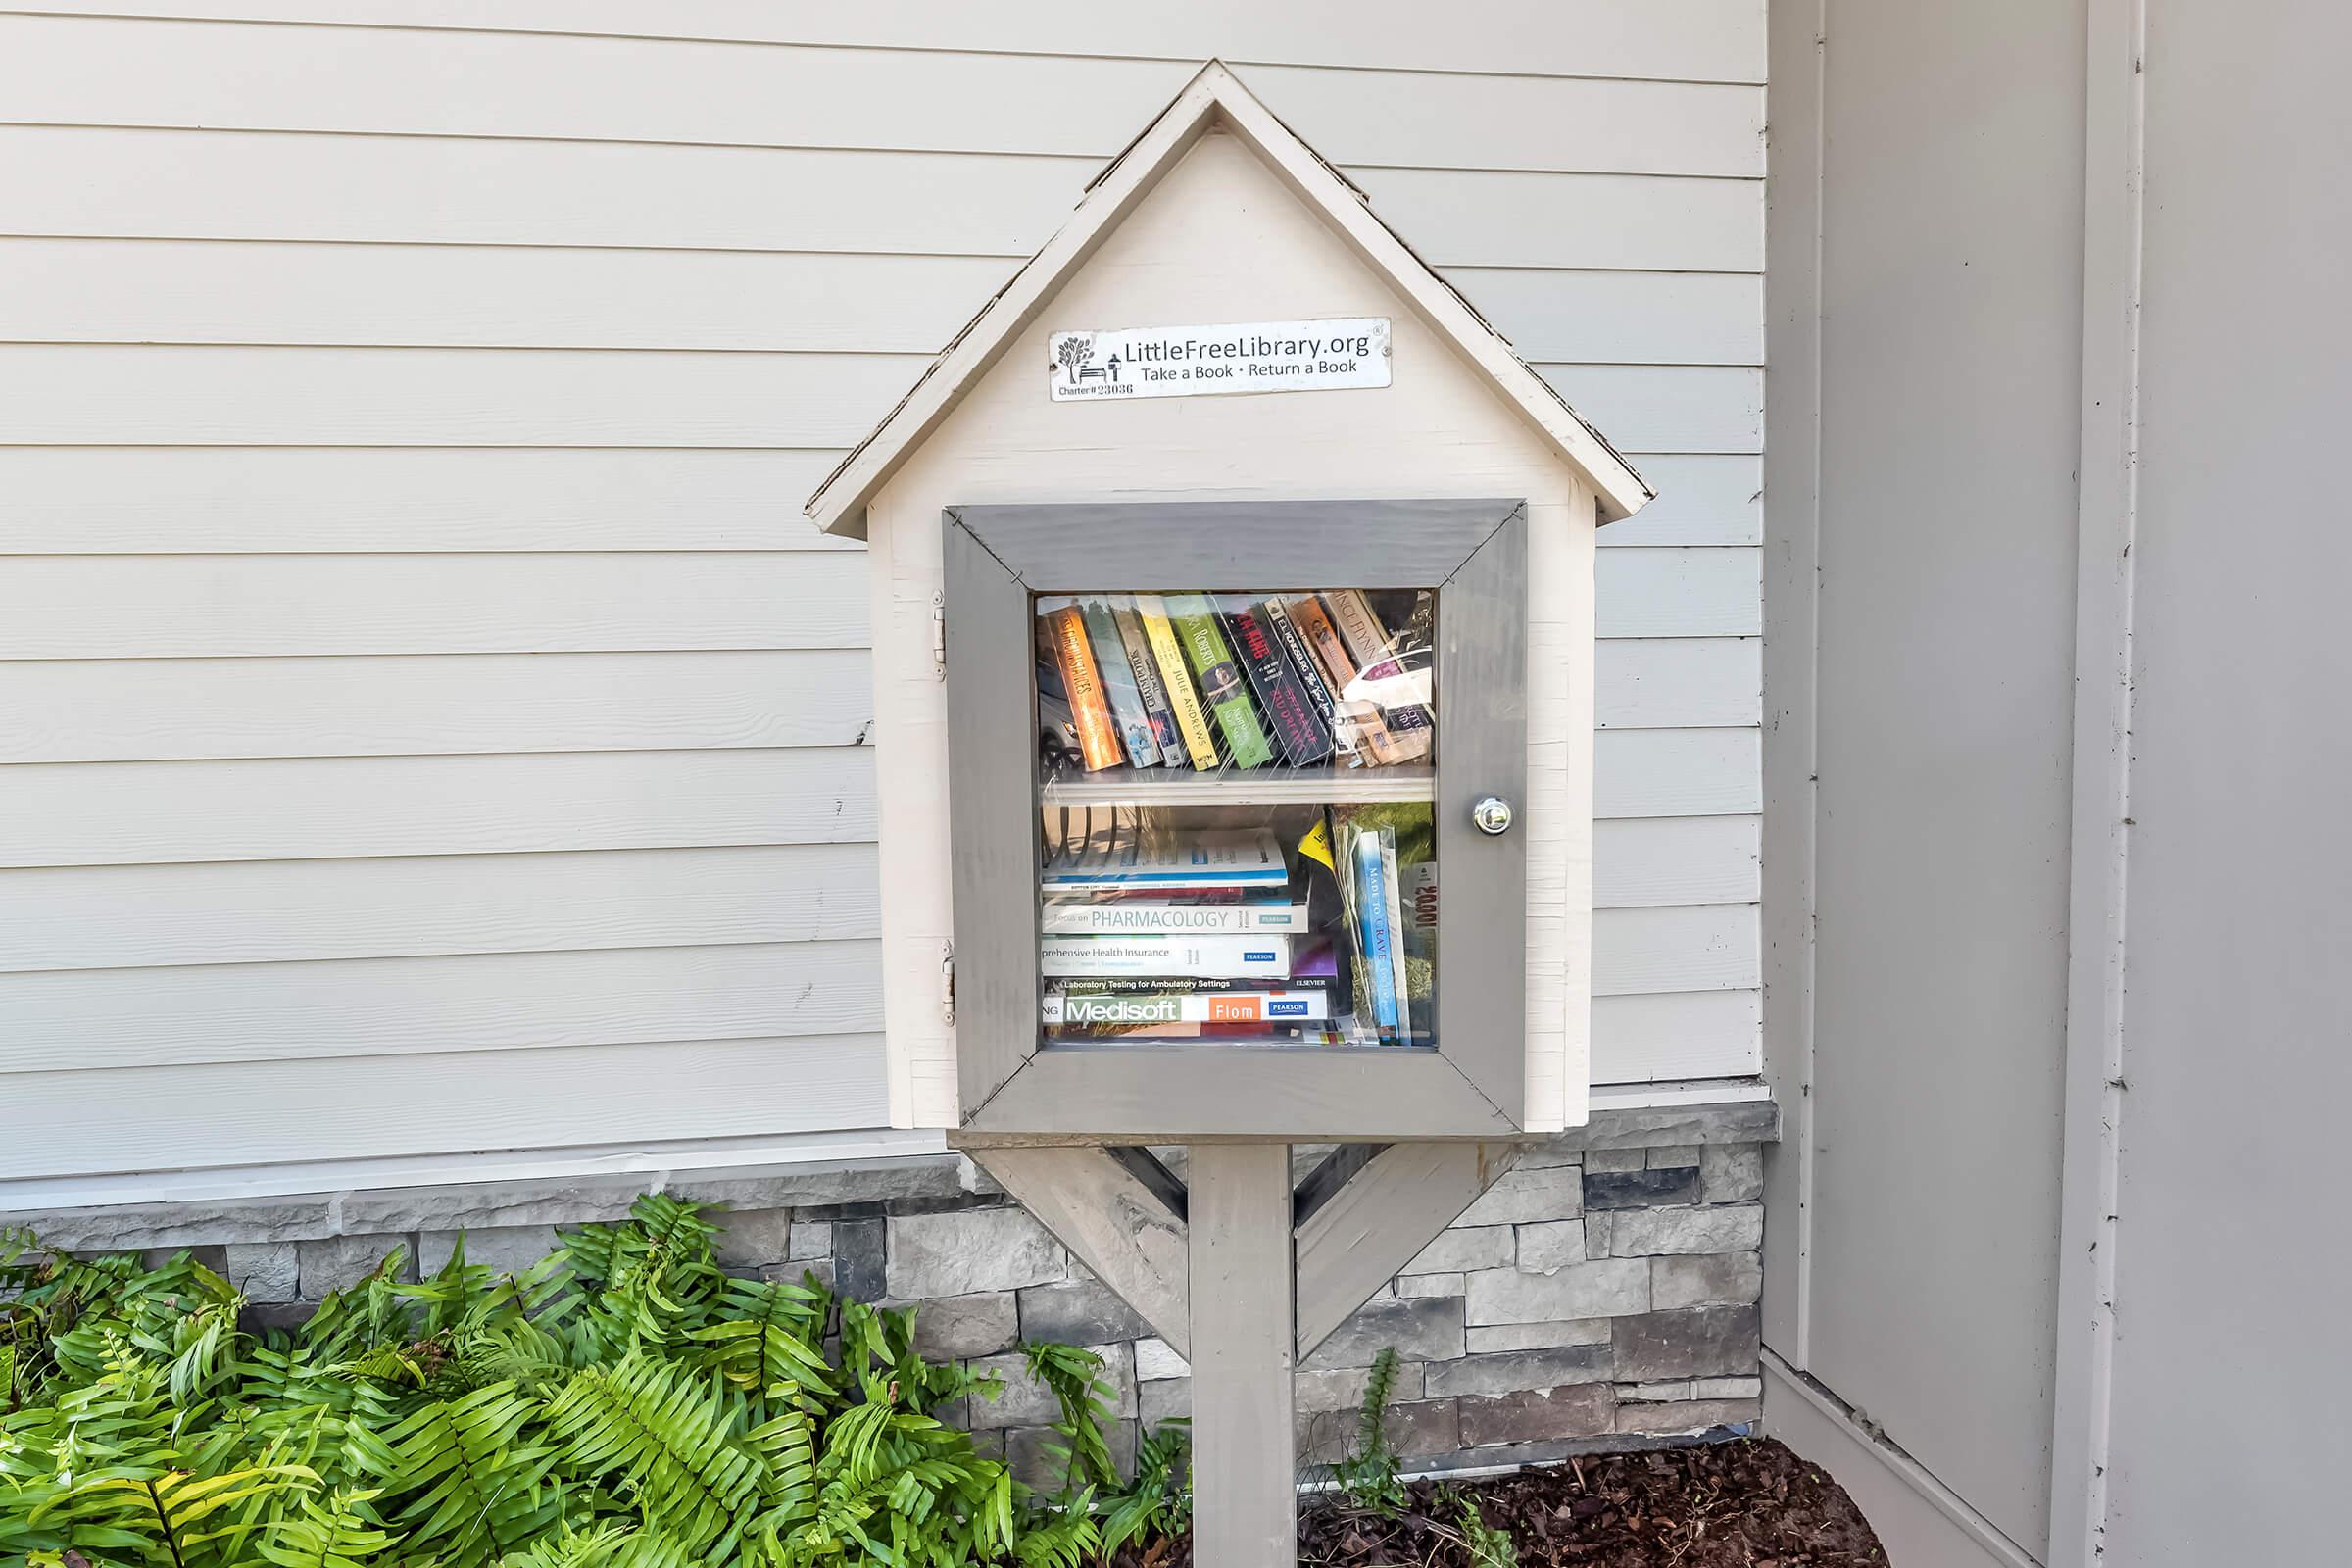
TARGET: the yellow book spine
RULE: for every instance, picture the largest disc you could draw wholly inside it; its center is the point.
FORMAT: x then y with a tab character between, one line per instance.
1191	721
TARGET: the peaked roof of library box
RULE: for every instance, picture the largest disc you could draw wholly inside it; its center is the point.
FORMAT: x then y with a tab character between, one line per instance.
1214	97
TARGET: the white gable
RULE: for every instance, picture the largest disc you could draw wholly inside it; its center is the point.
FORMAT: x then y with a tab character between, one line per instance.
1215	102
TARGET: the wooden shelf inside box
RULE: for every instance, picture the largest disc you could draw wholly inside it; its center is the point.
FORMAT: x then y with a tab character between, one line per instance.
1279	786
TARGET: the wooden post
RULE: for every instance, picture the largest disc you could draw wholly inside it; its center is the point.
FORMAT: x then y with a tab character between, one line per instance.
1245	1446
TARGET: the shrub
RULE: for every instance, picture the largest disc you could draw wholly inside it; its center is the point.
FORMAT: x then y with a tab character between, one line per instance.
622	1403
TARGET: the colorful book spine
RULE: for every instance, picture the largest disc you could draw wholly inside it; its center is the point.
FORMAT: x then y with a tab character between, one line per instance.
1221	685
1234	1006
1191	721
1358	724
1118	680
1264	957
1280	697
1082	688
1391	891
1377	661
1113	917
1292	643
1121	985
1154	689
1375	941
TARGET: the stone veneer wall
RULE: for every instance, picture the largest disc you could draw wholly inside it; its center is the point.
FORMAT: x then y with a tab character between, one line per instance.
1601	1296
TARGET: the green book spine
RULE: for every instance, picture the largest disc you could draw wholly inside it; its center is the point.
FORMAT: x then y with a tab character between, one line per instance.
1221	685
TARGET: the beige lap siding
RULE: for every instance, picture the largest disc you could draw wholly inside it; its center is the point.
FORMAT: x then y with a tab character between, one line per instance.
422	692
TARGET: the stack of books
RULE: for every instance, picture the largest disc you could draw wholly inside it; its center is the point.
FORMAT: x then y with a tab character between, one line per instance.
1205	681
1200	938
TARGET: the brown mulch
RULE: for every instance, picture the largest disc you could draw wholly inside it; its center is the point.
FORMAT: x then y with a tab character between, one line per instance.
1749	1503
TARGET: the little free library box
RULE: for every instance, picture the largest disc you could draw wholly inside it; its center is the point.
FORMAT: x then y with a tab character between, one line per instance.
1232	610
1233	619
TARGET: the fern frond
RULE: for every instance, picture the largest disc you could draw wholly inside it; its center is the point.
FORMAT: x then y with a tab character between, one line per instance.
673	1439
474	1491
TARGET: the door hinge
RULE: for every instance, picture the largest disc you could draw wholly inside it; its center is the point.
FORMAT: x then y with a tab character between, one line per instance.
939	636
947	982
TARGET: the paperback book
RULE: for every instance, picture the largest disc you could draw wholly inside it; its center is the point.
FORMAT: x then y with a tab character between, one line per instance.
1192	722
1100	916
1147	683
1281	696
1222	688
1205	861
1118	680
1082	688
1078	1010
1382	672
1356	726
1264	956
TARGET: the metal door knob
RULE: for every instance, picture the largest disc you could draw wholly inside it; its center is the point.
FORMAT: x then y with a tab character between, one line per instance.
1491	814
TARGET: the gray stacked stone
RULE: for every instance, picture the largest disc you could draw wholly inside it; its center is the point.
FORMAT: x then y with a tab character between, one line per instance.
1601	1295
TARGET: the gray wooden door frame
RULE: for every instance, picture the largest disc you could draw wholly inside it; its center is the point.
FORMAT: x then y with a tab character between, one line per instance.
1474	554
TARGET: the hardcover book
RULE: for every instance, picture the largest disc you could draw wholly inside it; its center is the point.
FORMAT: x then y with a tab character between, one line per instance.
1082	689
1222	688
1281	696
1266	956
1118	680
1190	722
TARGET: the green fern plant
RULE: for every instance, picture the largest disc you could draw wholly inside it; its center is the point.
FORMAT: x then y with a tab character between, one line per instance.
1368	1475
621	1403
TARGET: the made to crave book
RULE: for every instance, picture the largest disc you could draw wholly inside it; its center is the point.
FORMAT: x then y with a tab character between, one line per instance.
1222	688
1191	721
1082	688
1281	696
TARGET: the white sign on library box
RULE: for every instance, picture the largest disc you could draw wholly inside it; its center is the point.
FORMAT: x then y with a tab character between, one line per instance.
1333	354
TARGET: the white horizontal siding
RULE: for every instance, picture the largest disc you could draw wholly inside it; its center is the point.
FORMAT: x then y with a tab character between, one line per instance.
416	81
304	808
345	1107
1703	40
262	911
451	500
422	687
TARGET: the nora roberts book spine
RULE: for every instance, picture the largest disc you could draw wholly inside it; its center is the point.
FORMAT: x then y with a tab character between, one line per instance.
1082	685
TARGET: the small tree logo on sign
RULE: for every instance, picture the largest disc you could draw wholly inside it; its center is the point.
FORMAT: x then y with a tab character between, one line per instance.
1075	354
1327	355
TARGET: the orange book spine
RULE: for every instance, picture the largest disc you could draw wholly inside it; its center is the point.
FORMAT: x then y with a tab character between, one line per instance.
1323	639
1082	684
